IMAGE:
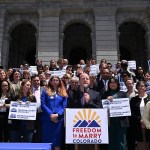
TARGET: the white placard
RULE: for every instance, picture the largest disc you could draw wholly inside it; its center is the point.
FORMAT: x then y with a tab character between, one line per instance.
22	111
94	70
86	126
118	107
59	73
82	66
16	69
132	64
33	73
123	87
33	70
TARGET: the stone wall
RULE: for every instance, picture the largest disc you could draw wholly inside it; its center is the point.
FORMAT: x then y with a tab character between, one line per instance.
48	43
52	16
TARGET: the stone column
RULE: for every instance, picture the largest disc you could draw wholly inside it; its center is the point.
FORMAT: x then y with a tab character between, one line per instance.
93	45
62	36
37	40
5	50
48	43
38	34
105	30
2	22
118	47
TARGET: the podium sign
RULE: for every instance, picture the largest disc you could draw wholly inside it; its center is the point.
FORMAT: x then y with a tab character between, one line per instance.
86	126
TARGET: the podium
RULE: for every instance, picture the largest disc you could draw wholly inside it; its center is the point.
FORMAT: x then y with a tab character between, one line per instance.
86	128
25	146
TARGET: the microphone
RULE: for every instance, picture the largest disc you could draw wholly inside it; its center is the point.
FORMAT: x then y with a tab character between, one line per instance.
85	88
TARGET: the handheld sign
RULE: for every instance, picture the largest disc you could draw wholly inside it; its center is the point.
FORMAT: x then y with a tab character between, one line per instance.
118	107
22	111
132	64
59	73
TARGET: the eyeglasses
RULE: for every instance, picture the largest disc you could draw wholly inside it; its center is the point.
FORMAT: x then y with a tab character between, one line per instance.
105	72
141	86
4	85
36	80
17	74
74	82
129	84
55	80
113	82
65	77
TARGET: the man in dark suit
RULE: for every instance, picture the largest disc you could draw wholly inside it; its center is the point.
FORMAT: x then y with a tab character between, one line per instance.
102	83
83	97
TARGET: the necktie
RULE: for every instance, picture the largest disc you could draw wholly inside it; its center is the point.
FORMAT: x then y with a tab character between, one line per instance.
105	84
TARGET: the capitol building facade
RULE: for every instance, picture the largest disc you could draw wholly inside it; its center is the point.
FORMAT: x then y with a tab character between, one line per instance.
74	29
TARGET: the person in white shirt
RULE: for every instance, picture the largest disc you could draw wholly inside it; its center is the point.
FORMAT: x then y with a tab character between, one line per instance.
137	125
37	93
146	119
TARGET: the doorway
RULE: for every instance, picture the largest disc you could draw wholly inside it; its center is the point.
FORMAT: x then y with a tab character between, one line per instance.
77	43
77	54
23	45
132	43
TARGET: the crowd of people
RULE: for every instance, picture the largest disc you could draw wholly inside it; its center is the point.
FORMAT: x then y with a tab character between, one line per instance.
77	87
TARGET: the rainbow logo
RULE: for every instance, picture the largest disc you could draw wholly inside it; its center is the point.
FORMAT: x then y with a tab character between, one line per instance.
86	118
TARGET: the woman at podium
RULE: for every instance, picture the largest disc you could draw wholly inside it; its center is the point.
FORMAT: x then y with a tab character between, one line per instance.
53	102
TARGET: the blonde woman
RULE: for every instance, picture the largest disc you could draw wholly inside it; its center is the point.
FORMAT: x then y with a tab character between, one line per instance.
53	102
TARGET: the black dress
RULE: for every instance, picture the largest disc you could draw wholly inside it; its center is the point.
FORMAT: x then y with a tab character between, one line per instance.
4	127
136	118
